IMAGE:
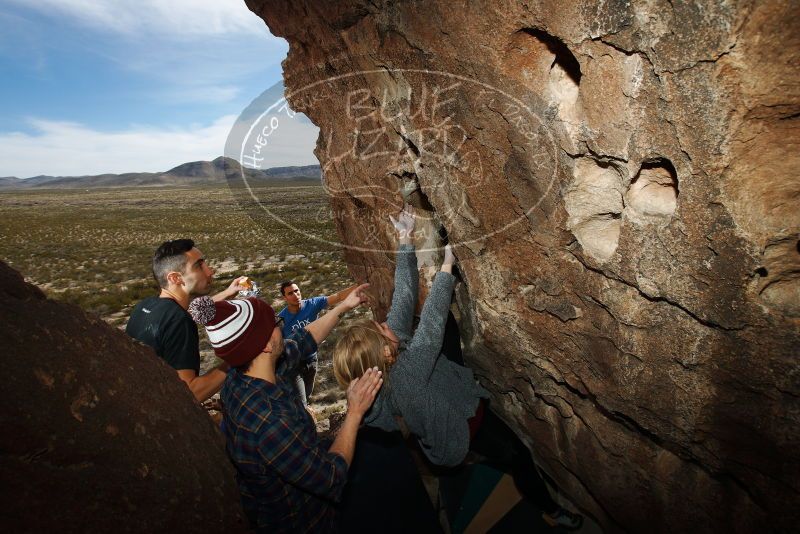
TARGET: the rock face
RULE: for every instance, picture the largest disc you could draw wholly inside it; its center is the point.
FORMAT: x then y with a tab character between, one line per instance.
620	179
99	435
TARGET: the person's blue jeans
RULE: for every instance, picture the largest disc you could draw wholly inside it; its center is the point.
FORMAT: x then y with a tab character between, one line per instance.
304	381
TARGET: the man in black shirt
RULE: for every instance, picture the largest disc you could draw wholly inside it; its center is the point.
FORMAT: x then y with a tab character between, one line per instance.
163	323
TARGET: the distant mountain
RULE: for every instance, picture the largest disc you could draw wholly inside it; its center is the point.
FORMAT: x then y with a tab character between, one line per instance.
8	180
192	173
291	173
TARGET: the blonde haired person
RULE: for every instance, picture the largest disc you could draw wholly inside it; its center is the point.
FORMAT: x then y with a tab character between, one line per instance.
426	384
435	397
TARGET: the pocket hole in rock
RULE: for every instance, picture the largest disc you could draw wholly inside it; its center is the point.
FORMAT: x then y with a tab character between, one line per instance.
779	283
564	76
594	204
654	190
564	59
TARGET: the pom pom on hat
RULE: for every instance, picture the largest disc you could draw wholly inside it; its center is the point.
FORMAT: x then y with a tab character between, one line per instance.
237	329
202	310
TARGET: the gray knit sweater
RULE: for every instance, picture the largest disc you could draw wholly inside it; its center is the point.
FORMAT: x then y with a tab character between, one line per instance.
434	396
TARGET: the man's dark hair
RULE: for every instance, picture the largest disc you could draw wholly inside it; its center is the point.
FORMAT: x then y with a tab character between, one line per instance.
284	285
169	257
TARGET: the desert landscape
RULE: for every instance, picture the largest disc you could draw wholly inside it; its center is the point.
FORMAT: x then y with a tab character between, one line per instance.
615	181
92	248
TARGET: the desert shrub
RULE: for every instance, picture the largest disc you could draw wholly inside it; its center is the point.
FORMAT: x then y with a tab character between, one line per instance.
93	248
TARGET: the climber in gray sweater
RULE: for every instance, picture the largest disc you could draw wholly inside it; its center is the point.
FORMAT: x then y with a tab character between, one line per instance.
435	396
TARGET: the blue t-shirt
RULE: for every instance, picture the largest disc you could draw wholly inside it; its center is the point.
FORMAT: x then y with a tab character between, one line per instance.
307	314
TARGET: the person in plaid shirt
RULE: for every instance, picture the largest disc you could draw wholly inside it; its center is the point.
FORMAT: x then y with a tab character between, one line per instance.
289	481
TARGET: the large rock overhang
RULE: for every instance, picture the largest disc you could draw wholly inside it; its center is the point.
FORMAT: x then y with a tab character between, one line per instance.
620	182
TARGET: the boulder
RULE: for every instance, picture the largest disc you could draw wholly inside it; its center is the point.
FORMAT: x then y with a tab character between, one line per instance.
619	180
99	434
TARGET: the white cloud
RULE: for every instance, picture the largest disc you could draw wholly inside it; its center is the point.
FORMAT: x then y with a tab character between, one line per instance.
176	58
72	149
176	18
188	51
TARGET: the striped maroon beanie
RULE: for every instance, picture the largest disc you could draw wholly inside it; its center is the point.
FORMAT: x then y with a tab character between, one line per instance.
237	329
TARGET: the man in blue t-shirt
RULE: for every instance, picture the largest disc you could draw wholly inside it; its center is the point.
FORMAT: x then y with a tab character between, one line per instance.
298	314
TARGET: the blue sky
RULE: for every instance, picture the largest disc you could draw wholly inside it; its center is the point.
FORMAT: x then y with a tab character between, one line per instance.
93	86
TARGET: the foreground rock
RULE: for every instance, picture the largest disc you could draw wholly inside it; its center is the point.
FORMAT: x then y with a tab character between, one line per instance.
98	434
620	180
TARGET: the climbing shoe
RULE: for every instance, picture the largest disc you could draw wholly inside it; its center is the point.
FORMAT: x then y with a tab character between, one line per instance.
563	518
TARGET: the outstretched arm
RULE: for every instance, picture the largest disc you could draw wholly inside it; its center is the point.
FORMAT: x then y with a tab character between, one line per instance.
449	260
336	298
320	328
406	278
427	342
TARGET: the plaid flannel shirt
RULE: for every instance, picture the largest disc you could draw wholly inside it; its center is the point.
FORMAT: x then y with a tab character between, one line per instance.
287	479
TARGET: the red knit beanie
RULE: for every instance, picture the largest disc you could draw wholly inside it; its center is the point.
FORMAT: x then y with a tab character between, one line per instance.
237	329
